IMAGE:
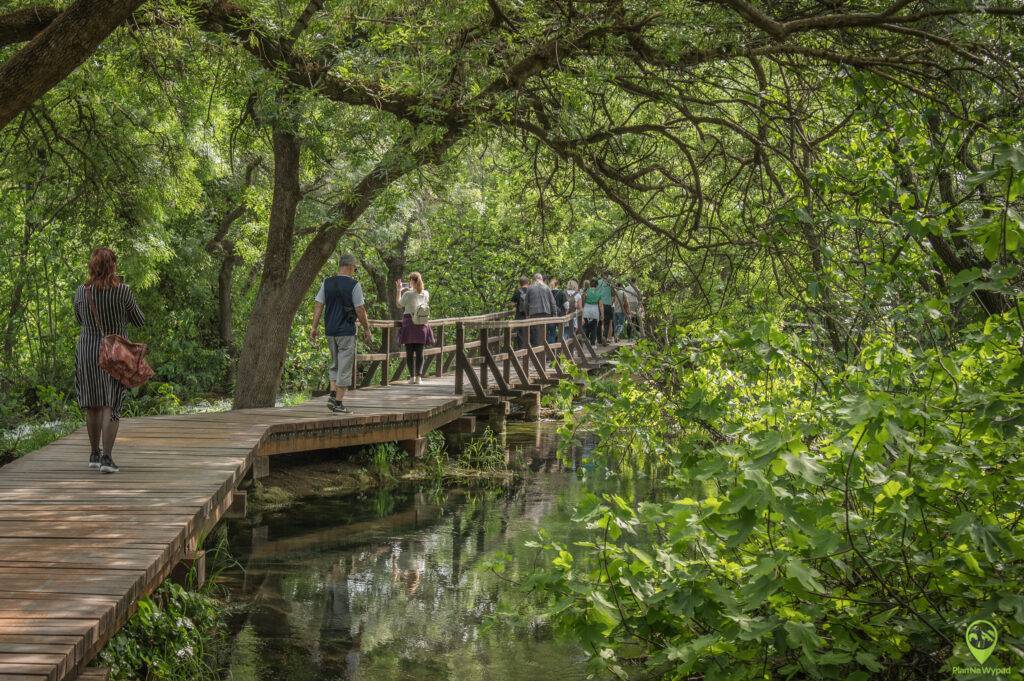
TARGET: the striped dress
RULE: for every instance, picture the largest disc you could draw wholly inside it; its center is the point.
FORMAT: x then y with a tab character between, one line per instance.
116	308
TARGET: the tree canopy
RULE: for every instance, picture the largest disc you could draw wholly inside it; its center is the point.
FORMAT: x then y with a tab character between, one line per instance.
837	183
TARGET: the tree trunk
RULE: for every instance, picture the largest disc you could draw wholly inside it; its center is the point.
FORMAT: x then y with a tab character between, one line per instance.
265	347
53	54
20	276
224	300
266	336
22	24
945	249
282	291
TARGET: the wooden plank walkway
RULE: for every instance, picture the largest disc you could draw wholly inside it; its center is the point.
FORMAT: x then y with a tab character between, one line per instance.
79	548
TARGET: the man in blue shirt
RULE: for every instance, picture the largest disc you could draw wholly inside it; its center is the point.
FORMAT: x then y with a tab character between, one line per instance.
342	298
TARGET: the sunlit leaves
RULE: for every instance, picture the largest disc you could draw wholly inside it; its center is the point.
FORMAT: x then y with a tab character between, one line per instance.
836	525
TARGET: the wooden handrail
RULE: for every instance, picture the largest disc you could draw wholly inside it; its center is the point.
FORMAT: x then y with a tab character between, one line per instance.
523	323
485	358
397	323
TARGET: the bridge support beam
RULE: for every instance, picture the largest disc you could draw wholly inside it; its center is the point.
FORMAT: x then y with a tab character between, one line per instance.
260	467
463	424
181	571
494	416
454	442
239	505
530	402
415	448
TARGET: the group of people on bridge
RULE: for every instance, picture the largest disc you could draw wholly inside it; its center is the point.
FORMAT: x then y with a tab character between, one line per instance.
104	306
606	310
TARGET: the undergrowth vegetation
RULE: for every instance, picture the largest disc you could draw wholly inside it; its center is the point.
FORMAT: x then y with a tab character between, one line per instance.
807	520
177	633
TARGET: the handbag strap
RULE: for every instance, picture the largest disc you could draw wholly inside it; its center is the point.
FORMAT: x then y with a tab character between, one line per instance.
92	306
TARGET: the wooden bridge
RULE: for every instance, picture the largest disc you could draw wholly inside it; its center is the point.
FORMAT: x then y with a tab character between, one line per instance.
78	548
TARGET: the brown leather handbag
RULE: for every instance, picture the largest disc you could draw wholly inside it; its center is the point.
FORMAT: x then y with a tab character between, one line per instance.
119	357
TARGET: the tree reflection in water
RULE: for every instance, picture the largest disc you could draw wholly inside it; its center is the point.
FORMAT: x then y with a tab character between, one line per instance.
337	590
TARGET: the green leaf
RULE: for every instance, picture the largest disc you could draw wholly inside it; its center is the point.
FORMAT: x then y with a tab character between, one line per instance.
802	635
804	466
800	571
965	276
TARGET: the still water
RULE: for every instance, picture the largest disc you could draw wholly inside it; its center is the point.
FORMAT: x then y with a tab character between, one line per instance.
396	584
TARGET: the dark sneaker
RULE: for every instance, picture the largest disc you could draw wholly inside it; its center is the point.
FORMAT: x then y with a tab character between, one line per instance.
107	465
94	459
339	408
331	401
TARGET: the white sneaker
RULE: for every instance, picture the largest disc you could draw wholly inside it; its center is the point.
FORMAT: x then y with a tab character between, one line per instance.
417	380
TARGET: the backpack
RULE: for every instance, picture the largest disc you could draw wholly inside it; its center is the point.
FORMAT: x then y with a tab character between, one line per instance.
560	298
522	308
422	314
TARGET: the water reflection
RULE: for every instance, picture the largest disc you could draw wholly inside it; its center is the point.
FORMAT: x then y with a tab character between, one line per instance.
395	584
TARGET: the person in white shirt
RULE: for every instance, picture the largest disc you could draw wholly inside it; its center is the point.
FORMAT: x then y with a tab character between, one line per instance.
573	303
412	335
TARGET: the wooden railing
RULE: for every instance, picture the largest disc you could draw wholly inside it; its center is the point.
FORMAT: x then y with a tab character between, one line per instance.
501	352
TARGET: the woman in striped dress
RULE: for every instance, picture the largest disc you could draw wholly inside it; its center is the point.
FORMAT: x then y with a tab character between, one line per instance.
100	395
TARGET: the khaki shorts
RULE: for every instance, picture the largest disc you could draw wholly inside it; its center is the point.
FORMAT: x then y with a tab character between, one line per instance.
343	356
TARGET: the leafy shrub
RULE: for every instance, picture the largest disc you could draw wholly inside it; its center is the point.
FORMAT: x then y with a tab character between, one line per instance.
166	638
803	523
178	633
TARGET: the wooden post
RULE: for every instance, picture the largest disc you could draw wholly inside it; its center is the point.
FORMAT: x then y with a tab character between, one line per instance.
460	346
485	352
507	333
239	505
260	467
531	406
496	416
192	559
439	370
415	448
386	365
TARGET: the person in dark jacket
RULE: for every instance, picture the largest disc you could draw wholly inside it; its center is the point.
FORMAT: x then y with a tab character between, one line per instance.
539	303
560	296
341	297
103	305
519	307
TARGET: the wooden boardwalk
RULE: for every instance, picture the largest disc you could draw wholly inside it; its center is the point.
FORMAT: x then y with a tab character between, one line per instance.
79	548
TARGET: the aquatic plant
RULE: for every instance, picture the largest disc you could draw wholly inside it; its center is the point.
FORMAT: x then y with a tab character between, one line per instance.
436	455
385	457
485	452
168	638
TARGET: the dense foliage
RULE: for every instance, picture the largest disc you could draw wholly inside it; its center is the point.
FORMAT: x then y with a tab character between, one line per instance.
821	201
802	521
